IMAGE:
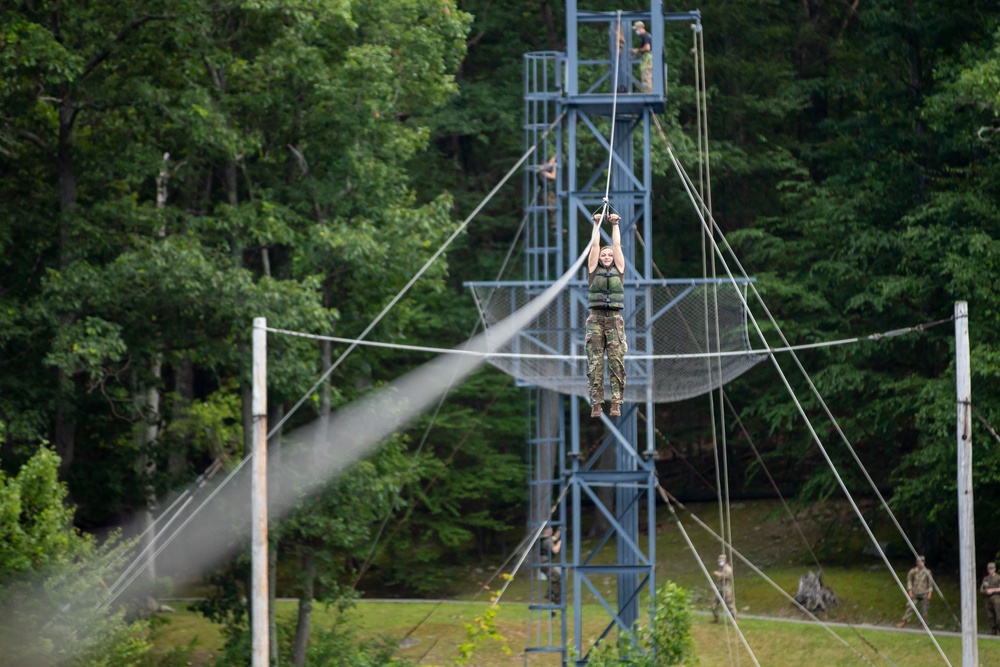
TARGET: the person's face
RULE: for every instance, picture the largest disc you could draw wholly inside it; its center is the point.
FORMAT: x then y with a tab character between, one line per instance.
607	257
991	570
920	564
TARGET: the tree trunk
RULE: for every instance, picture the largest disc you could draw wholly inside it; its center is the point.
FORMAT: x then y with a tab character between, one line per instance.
64	424
148	399
916	80
325	353
64	427
149	403
184	391
302	627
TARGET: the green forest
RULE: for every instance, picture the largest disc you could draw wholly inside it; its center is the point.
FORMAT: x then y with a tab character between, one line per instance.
172	169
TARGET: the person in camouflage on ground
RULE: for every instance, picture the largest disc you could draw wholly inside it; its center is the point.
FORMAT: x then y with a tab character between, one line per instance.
724	582
990	588
919	585
605	326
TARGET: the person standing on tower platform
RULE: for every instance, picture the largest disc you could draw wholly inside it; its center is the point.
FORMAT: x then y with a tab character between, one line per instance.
991	589
919	584
645	53
605	326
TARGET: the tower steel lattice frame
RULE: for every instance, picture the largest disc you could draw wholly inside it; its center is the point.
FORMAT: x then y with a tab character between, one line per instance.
617	476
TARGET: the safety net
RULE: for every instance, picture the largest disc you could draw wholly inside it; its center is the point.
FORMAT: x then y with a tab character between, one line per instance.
684	338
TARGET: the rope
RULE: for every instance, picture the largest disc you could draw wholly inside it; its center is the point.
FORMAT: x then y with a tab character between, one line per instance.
418	274
437	411
688	187
239	466
350	420
643	357
791	515
427	487
704	91
485	586
619	38
985	423
721	466
708	576
187	497
774	485
177	532
670	500
815	391
534	538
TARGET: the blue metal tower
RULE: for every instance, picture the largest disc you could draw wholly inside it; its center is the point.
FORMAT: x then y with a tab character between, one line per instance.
616	476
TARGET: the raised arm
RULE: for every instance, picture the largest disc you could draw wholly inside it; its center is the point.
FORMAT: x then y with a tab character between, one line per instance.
616	244
595	244
548	170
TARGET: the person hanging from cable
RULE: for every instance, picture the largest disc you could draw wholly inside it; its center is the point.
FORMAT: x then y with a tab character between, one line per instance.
605	325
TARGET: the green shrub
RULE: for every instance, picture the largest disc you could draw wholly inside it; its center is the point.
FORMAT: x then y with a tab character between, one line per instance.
667	642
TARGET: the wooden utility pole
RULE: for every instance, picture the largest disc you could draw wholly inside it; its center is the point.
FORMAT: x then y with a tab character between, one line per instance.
258	550
966	517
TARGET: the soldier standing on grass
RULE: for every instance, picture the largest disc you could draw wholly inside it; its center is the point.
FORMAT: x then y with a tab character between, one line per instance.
724	582
919	585
991	589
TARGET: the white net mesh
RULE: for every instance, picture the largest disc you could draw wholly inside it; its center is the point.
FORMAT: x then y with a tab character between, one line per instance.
669	328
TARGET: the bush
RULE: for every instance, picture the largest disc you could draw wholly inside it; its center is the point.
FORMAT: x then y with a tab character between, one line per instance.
53	582
667	642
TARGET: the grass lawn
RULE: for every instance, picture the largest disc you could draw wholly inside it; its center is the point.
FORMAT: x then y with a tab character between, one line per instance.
764	533
431	632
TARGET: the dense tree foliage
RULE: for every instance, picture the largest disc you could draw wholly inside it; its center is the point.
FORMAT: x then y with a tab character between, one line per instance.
52	582
170	170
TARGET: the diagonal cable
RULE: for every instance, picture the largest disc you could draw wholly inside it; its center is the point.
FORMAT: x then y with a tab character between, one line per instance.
433	419
688	186
670	500
418	274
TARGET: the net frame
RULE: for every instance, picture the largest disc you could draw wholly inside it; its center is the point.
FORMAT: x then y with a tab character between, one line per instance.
677	347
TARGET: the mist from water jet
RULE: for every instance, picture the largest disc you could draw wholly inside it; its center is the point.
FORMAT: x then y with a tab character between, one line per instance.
216	528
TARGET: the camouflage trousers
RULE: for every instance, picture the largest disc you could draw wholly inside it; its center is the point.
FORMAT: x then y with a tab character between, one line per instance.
920	601
717	606
993	612
606	333
647	72
554	575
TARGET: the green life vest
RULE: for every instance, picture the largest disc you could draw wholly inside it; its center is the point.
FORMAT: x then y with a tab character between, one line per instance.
607	292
